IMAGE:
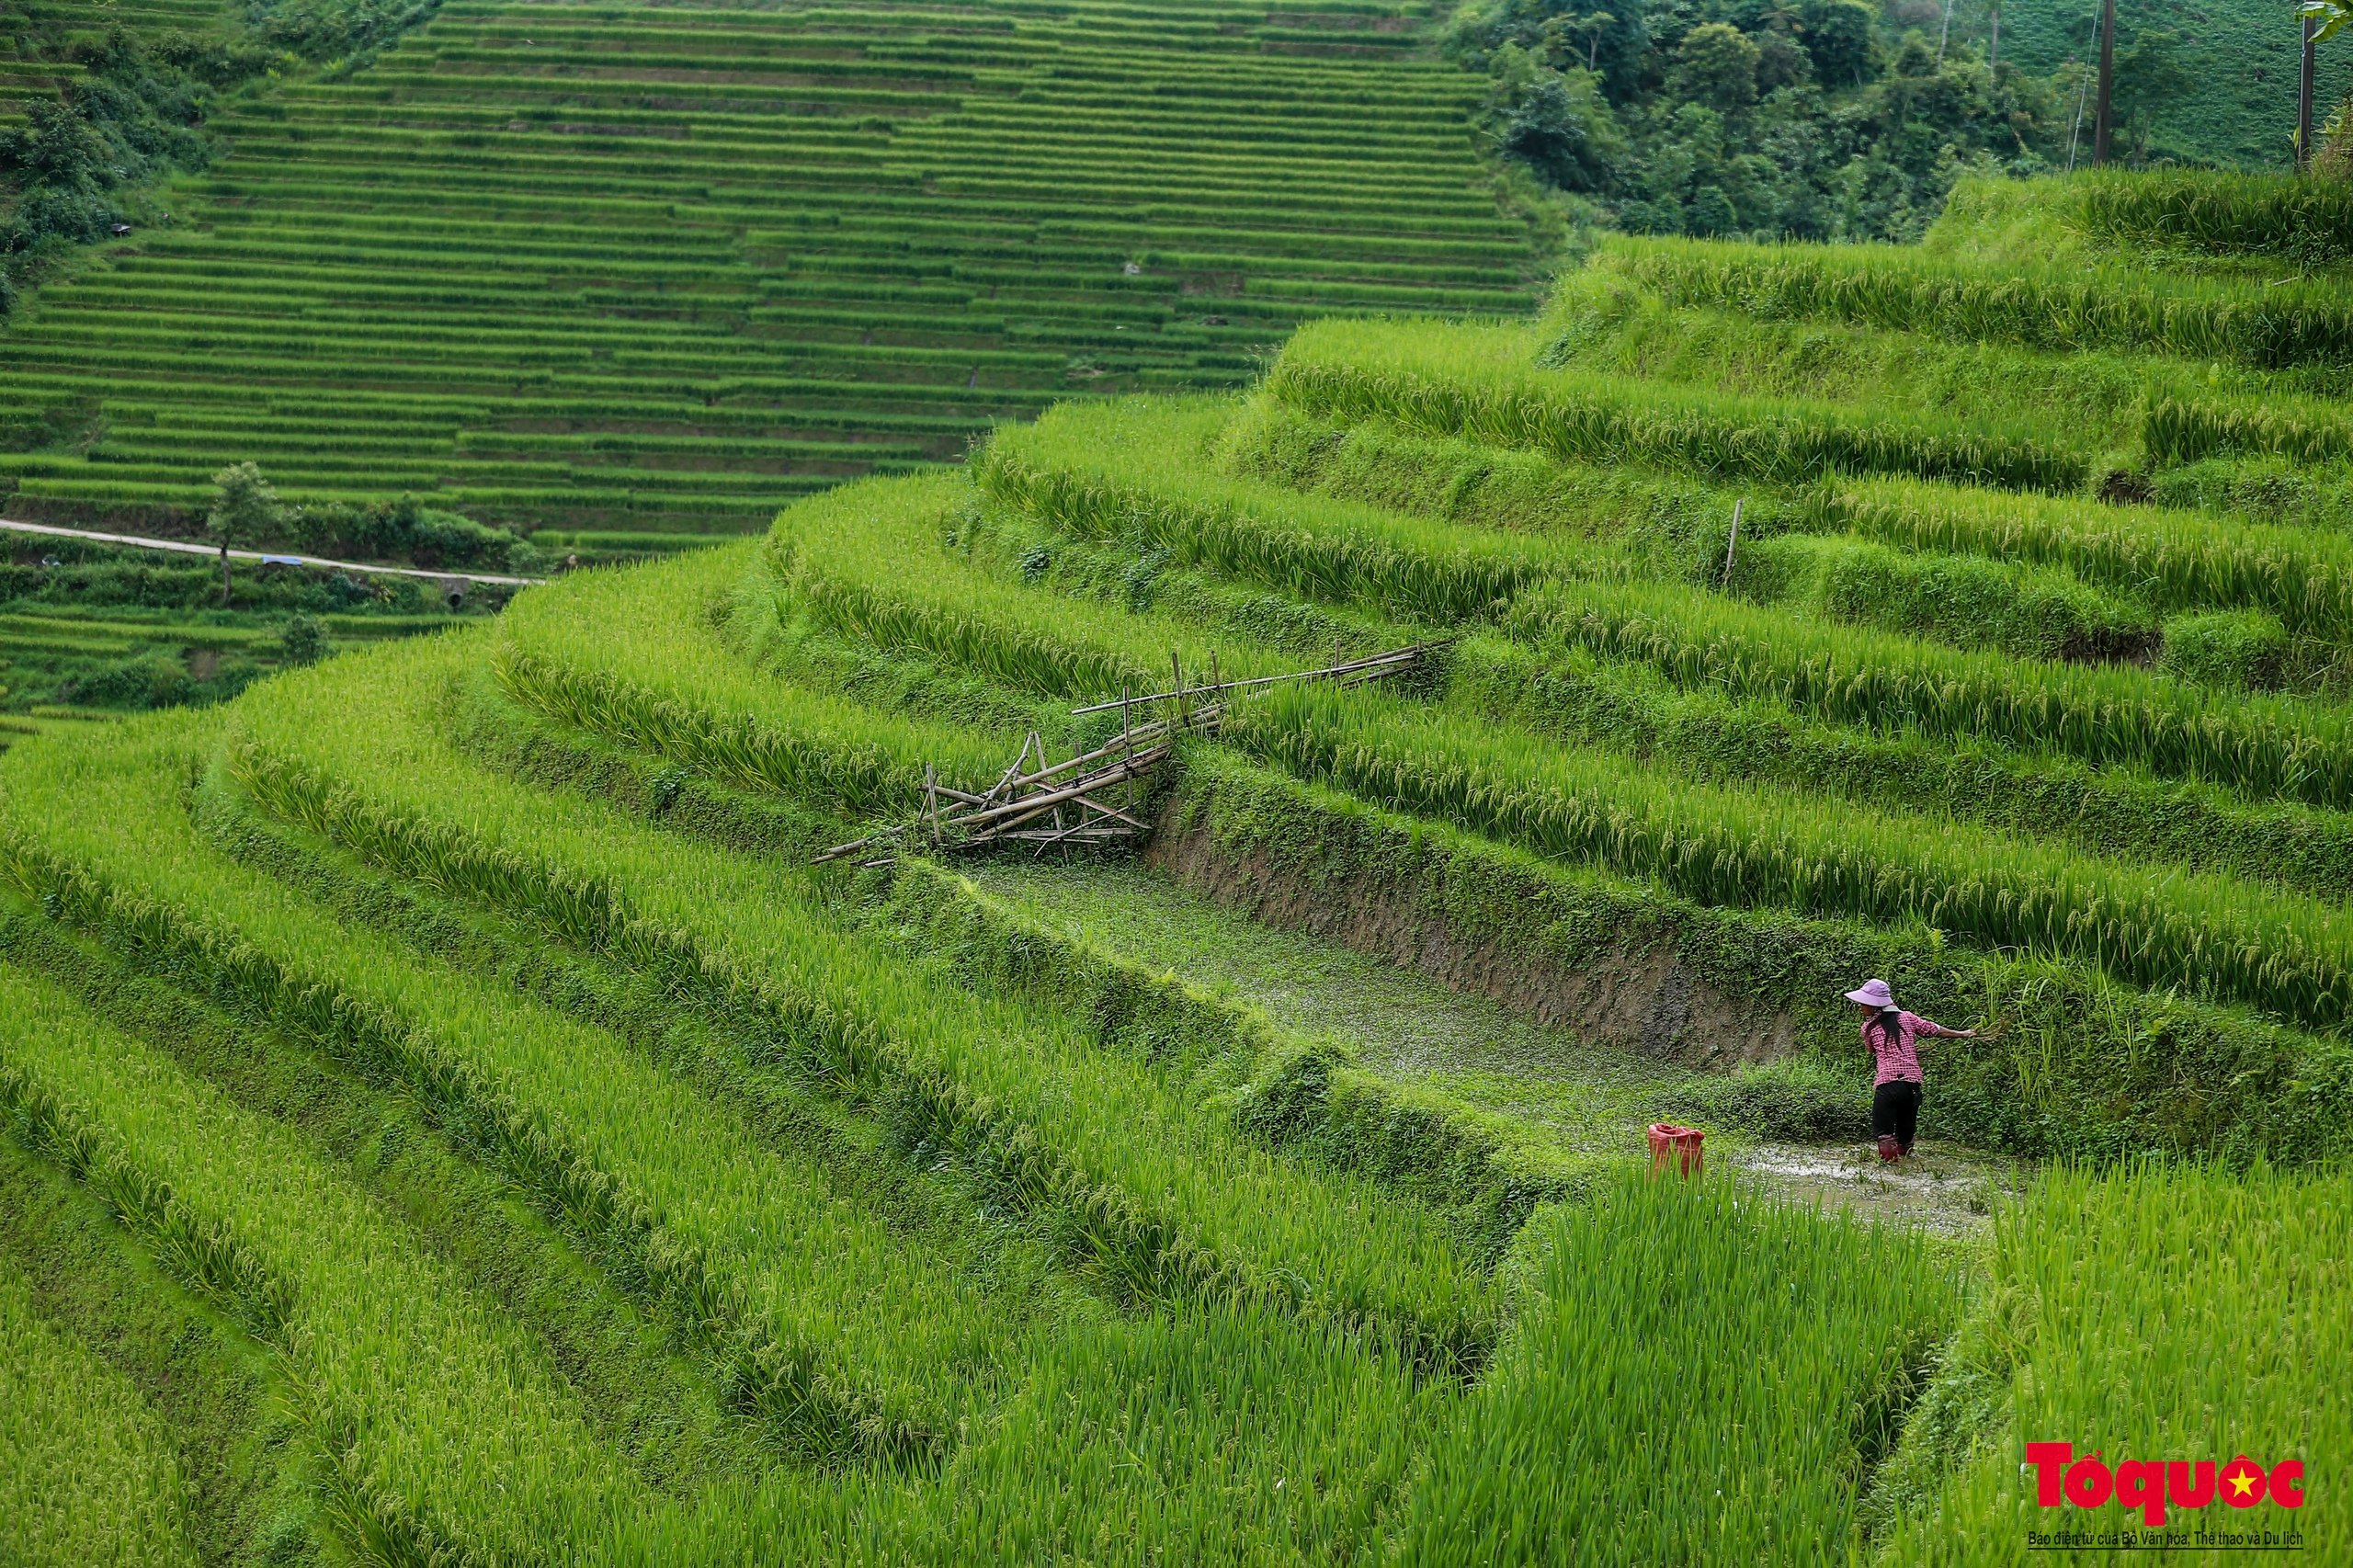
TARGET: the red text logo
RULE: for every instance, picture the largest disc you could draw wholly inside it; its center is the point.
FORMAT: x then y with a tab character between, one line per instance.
2060	1478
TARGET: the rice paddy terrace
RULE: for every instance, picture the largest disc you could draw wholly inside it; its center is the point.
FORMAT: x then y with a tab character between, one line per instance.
651	270
451	1119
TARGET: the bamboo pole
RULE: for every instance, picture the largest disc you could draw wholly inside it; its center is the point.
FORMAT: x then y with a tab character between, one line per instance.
1375	661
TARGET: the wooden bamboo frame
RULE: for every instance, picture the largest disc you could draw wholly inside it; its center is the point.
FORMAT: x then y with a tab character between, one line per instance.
953	819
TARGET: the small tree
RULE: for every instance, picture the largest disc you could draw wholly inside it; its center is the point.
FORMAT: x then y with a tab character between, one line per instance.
304	641
245	510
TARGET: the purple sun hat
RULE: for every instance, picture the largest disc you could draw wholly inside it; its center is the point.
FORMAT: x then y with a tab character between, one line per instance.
1872	993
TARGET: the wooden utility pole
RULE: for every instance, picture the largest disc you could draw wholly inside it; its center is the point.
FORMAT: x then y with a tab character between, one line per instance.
2106	80
2305	103
1993	47
224	576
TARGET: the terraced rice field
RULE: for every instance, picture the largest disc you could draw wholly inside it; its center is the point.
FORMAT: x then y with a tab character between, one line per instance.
450	1118
628	275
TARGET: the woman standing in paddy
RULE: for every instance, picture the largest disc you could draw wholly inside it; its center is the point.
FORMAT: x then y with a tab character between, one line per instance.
1890	1031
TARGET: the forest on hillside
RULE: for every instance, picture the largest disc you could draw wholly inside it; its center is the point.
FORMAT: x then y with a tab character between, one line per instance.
1837	120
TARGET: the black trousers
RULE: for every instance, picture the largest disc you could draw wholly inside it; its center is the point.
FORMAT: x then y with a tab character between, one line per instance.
1895	1111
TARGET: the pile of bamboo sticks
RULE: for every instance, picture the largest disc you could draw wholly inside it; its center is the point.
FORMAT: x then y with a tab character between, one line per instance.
1095	797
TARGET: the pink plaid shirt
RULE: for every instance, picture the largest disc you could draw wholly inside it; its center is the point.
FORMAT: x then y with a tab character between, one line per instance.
1898	1061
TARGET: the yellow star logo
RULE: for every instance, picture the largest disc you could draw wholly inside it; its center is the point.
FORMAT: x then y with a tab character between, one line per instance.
2242	1483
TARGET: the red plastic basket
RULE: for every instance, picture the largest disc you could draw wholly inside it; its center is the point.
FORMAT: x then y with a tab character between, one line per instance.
1680	1146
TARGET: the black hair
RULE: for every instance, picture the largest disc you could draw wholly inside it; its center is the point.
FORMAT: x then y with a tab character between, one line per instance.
1890	1023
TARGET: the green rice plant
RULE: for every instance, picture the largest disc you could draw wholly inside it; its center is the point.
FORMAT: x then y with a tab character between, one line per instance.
1600	319
1149	1187
2255	323
2188	432
2175	560
2263	747
1701	1374
818	1325
2239	650
889	564
2146	1313
1701	732
86	1475
2302	220
1482	383
1137	472
430	1428
1780	848
541	279
1669	525
1967	601
662	660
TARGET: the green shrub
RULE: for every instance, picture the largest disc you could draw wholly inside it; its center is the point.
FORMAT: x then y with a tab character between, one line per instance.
304	641
1796	1099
